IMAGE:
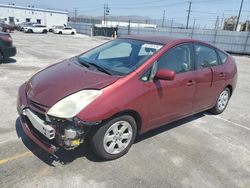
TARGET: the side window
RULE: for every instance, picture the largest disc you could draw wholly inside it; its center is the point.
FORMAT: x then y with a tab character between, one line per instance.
177	59
223	57
119	50
205	56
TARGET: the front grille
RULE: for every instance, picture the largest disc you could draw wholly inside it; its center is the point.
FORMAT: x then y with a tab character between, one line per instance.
8	44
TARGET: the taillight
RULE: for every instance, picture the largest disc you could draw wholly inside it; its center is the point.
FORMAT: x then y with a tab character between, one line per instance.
6	38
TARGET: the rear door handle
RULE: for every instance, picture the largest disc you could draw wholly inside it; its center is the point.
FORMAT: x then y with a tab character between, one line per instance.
222	74
190	83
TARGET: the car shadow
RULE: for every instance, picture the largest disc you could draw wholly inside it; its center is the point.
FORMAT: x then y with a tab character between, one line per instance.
167	127
65	157
9	60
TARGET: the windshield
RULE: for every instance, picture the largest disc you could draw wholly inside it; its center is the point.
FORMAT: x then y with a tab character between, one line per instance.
120	56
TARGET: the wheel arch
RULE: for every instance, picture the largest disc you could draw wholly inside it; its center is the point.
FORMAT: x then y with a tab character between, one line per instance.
230	88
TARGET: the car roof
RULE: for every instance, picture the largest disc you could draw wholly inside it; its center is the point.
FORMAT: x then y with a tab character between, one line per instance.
158	39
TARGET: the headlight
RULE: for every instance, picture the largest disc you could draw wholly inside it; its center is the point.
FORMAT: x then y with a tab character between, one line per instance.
70	106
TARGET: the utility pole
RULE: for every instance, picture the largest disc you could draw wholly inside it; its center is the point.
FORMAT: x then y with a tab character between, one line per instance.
238	18
189	10
163	19
129	27
216	25
194	23
222	21
75	12
105	13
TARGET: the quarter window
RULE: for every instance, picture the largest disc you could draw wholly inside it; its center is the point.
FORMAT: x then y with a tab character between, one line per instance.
177	59
222	56
205	56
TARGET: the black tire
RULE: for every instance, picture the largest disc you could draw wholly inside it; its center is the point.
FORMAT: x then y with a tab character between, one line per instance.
97	139
216	109
30	31
1	57
59	32
45	31
72	33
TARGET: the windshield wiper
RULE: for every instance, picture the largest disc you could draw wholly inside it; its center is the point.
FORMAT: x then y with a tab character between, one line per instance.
84	63
102	69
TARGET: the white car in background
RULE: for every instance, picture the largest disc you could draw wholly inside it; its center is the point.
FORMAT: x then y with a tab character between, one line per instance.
65	30
36	28
51	28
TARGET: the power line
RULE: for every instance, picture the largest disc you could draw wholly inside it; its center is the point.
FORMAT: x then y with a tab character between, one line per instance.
147	6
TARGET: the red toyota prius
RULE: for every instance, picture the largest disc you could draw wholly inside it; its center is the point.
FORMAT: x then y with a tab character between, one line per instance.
125	87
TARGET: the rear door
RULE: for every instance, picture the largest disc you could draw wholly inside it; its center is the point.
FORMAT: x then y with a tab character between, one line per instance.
67	30
219	74
208	78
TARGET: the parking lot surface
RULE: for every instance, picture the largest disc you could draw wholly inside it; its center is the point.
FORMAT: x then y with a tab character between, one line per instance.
199	151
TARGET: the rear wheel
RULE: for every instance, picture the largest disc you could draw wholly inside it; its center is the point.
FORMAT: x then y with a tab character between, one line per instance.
30	31
45	31
114	138
72	33
59	32
222	102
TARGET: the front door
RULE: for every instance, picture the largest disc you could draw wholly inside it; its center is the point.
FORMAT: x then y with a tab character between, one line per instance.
170	100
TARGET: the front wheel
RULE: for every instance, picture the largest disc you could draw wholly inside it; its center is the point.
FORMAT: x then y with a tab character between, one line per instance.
114	138
221	102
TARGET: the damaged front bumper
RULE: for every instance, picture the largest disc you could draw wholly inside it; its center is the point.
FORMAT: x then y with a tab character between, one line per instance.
49	133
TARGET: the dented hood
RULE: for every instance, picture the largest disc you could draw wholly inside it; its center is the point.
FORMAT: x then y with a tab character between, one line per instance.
60	80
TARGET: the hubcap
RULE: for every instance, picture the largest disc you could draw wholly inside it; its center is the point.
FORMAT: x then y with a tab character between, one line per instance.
223	100
117	137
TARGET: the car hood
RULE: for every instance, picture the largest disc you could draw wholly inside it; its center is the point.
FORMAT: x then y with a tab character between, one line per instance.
60	80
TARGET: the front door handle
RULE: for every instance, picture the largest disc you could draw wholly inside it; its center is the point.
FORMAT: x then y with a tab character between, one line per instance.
190	83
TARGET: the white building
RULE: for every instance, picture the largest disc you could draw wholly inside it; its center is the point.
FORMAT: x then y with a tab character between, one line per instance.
17	14
124	24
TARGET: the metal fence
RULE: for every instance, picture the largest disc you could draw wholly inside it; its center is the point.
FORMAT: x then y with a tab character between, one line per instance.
231	41
83	28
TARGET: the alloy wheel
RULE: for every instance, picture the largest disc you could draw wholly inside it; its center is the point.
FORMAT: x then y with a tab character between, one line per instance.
223	100
117	137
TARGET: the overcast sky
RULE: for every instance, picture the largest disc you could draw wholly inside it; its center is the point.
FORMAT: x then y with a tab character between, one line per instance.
204	11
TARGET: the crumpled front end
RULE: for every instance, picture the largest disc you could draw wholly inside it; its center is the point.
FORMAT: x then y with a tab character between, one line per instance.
48	132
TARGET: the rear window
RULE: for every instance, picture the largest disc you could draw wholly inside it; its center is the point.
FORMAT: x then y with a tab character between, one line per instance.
223	57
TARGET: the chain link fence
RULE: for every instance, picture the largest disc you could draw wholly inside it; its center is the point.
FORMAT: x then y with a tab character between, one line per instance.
230	41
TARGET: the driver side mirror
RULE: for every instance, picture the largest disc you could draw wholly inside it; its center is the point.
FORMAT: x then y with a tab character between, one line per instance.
165	74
